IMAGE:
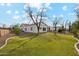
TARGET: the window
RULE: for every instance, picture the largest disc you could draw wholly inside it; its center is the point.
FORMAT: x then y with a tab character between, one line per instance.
25	29
44	29
31	28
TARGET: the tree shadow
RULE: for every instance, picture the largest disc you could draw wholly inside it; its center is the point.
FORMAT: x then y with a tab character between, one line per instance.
31	37
34	36
23	35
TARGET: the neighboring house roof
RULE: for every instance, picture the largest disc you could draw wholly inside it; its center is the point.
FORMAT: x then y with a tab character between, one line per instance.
4	28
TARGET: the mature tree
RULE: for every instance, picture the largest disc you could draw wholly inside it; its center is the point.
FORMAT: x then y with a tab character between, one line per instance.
63	27
65	24
69	26
55	23
75	28
77	11
36	17
75	25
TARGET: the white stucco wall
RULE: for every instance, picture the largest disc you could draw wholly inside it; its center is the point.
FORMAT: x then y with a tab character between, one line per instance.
34	28
43	26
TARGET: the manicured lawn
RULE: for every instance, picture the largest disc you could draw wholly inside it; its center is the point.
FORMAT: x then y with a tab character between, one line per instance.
47	44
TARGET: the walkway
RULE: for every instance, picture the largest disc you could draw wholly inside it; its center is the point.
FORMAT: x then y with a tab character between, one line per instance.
77	44
4	38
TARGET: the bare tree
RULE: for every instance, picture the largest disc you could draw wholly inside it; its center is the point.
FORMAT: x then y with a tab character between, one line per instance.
63	28
37	18
69	26
55	23
77	11
66	23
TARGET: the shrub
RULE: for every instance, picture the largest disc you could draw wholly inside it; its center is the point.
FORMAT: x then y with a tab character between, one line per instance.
16	29
59	30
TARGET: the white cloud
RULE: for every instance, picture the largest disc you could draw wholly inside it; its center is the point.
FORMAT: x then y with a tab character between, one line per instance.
16	17
16	12
25	21
65	8
8	12
72	14
2	4
54	16
61	15
44	10
33	5
24	6
45	18
25	15
38	5
8	4
23	11
77	7
47	5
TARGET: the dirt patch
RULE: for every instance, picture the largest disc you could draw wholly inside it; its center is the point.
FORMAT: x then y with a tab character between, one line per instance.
78	45
4	38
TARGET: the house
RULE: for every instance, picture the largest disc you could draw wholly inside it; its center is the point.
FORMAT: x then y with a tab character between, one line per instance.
4	31
31	28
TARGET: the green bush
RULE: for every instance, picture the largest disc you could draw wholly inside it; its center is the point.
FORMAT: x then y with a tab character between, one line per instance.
75	27
60	30
16	29
74	31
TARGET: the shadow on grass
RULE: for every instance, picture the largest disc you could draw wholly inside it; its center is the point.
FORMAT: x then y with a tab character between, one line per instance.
30	37
23	35
24	42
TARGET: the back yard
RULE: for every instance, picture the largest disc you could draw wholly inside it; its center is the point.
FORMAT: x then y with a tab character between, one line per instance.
47	44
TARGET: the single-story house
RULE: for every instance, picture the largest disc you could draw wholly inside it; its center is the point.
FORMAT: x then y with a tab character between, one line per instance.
4	31
31	28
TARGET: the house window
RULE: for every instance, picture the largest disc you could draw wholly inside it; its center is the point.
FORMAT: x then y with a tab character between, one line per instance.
44	29
25	29
31	28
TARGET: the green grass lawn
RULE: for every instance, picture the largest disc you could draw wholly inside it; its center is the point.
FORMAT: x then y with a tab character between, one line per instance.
47	44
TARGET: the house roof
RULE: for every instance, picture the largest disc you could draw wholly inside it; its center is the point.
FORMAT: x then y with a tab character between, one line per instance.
24	25
31	24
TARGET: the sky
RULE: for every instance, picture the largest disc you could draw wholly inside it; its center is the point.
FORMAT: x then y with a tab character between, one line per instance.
14	13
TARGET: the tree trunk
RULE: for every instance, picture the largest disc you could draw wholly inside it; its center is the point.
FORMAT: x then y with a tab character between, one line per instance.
38	30
55	29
